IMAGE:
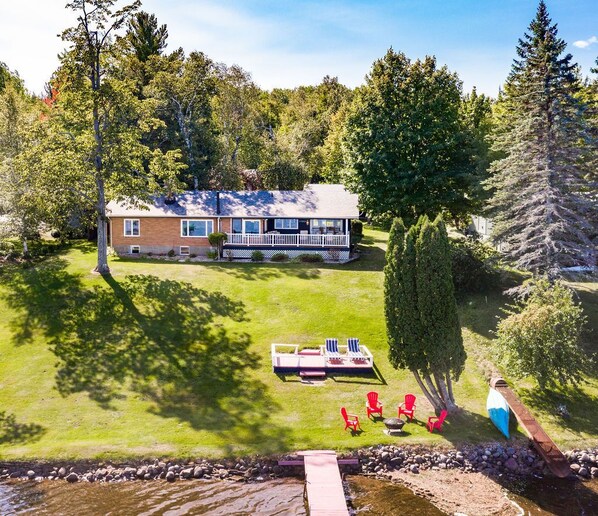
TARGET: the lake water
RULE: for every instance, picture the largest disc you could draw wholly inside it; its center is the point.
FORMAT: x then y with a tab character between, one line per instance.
276	497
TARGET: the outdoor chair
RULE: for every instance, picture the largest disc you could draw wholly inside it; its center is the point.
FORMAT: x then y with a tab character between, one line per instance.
351	420
373	406
408	406
436	422
353	348
332	348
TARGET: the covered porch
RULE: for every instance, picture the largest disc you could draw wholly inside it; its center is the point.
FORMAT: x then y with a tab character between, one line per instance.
292	239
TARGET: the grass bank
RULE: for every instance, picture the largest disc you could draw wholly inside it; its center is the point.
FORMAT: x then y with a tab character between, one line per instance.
172	359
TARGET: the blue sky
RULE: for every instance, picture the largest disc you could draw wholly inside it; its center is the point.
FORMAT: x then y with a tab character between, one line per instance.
287	43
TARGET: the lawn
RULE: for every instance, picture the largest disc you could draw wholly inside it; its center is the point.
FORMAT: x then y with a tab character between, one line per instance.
172	359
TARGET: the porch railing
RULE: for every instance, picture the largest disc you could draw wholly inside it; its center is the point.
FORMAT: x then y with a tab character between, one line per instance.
275	239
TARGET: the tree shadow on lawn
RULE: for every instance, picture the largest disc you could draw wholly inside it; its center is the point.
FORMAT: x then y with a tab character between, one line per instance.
161	338
13	432
582	406
264	272
252	271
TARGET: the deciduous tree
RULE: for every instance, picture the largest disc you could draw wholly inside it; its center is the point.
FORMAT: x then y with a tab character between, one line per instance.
540	336
406	145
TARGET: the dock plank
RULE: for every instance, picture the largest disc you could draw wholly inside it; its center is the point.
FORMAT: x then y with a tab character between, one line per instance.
323	482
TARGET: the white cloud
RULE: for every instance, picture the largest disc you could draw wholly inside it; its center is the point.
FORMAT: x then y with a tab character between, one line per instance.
584	43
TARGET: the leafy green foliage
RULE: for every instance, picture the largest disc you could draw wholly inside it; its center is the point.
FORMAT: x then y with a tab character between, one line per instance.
279	257
540	336
257	256
309	258
474	265
407	149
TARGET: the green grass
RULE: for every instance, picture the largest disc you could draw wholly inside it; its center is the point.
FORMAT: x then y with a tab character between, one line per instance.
173	359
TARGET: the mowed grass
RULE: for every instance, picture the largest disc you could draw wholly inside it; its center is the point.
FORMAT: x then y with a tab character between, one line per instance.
173	359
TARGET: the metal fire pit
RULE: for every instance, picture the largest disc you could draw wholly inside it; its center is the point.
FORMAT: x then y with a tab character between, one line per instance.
393	424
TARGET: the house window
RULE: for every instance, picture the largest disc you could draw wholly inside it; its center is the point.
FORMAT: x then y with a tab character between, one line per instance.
135	249
327	226
196	228
286	224
132	227
251	226
184	250
237	226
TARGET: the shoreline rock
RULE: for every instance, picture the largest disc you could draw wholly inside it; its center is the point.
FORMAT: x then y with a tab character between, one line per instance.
493	459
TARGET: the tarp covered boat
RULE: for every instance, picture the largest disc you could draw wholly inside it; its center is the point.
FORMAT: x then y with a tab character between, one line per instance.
498	410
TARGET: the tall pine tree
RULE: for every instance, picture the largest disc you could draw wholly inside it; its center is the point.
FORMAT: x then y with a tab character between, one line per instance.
540	213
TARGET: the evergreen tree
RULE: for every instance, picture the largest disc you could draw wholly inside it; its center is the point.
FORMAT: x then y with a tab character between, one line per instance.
540	213
141	45
144	37
406	146
422	325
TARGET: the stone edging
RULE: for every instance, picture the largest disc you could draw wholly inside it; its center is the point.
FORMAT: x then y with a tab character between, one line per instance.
492	459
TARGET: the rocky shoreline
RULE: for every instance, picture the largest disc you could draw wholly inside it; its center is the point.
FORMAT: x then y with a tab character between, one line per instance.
492	460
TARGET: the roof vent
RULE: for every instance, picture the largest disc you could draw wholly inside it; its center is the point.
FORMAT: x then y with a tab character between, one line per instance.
170	199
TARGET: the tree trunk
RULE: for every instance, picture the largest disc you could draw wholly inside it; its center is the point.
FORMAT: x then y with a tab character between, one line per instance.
434	400
449	385
438	401
448	402
102	266
25	247
186	133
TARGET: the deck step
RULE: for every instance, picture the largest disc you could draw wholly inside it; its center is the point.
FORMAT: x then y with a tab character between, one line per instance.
312	374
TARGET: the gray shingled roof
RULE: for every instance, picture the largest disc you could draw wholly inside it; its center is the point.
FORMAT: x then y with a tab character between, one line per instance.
316	201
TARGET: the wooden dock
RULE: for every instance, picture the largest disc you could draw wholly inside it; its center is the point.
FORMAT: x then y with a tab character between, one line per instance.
545	446
323	483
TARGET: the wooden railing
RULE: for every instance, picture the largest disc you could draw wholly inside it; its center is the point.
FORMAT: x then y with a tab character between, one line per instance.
298	240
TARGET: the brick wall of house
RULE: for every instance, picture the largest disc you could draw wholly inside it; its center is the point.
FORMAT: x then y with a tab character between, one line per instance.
157	235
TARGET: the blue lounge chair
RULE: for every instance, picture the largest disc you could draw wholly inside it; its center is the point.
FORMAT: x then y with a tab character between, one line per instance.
353	348
332	348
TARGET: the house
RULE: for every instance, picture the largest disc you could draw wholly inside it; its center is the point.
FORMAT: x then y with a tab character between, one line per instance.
314	220
482	226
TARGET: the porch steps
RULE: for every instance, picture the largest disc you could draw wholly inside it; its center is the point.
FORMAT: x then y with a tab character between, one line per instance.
313	373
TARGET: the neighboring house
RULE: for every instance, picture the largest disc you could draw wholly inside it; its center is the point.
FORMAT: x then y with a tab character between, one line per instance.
314	220
482	226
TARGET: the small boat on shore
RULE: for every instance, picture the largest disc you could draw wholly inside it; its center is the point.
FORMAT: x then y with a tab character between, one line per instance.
498	410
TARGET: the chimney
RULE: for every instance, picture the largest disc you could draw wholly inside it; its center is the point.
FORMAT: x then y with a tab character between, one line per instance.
217	202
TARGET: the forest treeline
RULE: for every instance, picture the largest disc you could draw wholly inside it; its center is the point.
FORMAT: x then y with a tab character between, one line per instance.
126	116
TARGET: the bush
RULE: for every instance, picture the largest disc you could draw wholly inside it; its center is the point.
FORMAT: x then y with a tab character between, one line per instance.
170	253
217	240
540	337
310	258
257	256
279	257
474	265
212	254
356	232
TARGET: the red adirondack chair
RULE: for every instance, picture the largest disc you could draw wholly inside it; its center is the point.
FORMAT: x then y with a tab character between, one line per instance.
351	420
372	405
436	422
408	406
